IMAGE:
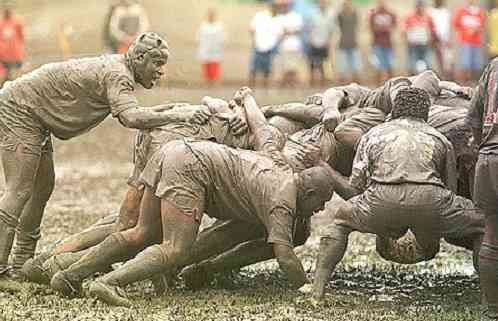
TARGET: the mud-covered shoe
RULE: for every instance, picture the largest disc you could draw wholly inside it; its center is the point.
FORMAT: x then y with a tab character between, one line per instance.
61	283
110	294
33	269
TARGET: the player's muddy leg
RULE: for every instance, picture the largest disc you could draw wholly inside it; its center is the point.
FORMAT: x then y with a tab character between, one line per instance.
20	170
198	275
116	247
218	238
331	251
74	246
130	208
28	230
488	265
179	233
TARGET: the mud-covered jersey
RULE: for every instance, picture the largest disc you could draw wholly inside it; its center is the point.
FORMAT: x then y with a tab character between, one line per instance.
483	112
148	141
402	151
72	97
231	184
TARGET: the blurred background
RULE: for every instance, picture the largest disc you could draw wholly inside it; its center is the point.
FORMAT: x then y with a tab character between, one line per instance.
59	29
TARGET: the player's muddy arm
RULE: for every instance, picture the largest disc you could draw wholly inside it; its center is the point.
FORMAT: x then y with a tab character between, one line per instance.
144	118
242	255
306	114
216	105
456	88
167	106
332	101
256	120
290	264
341	184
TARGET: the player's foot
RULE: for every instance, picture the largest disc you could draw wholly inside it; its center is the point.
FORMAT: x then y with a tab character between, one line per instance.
110	294
33	269
64	285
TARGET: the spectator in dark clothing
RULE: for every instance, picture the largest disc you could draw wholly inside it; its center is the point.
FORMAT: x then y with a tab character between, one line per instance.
382	23
348	57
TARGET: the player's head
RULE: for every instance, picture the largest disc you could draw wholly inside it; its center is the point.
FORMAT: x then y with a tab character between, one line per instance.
411	103
147	57
314	190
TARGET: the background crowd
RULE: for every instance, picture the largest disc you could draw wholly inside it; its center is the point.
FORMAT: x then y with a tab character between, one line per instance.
319	37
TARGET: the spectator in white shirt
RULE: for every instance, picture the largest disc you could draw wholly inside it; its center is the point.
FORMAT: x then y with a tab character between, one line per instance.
441	16
291	50
211	37
266	33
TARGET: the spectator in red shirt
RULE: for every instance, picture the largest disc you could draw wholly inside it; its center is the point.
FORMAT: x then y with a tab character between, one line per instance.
469	23
382	23
11	42
419	33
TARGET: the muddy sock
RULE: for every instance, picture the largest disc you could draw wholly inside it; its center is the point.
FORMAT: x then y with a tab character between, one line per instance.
145	265
113	249
24	247
331	252
7	233
488	272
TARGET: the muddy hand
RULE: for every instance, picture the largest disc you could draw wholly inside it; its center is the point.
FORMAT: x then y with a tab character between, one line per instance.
241	94
200	117
238	125
316	99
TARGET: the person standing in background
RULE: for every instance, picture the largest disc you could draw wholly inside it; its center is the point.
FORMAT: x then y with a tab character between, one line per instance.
127	22
348	55
12	49
382	23
441	16
266	35
291	51
211	37
320	37
493	32
110	43
419	34
469	23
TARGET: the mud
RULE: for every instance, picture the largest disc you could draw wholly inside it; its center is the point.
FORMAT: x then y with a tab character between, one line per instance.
90	182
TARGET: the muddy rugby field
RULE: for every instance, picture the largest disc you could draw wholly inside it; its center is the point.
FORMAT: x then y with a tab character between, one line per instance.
91	180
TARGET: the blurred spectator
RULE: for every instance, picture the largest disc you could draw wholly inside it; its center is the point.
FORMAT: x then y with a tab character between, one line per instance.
469	23
64	34
493	32
320	35
266	33
291	48
382	23
211	37
348	56
128	20
418	31
441	16
12	49
110	43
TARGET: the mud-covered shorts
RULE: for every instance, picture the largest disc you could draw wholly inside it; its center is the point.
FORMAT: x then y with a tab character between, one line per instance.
176	175
430	211
19	127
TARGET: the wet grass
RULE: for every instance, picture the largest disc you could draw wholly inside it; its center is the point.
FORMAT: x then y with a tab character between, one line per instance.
91	176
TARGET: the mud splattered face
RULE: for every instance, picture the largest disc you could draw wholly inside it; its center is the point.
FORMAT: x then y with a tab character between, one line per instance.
147	58
150	70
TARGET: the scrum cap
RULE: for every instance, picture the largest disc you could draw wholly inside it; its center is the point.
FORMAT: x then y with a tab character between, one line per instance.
148	43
